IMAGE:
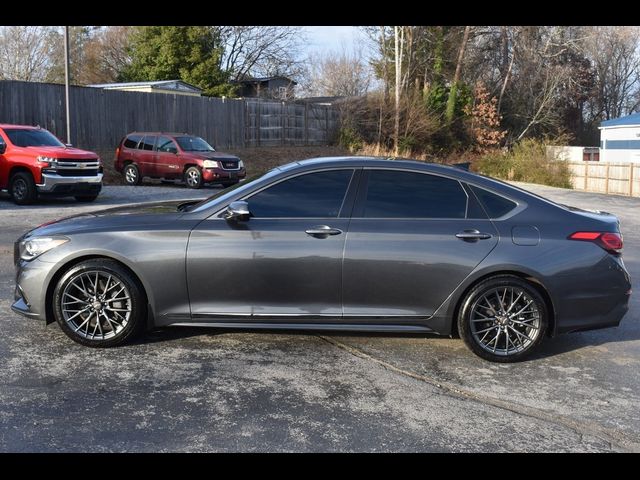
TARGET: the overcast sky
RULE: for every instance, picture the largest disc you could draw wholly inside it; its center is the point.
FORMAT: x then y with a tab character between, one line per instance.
331	38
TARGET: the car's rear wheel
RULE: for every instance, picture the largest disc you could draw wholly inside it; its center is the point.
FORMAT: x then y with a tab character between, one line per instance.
131	174
503	319
98	303
22	188
193	177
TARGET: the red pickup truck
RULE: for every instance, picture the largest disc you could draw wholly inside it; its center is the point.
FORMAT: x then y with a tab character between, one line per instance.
33	161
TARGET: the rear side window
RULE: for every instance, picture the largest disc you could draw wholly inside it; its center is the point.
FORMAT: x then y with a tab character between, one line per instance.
495	205
147	143
397	194
132	141
314	195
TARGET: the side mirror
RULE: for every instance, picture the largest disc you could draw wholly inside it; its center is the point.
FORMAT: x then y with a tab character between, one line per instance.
3	147
238	211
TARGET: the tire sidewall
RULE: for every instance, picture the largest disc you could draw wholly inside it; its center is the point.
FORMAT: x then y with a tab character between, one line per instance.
464	316
138	305
31	192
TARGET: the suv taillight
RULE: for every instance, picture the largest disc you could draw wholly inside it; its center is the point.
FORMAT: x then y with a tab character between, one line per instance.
610	241
118	151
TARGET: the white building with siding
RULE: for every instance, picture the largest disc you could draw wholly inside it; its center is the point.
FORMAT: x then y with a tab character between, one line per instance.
620	139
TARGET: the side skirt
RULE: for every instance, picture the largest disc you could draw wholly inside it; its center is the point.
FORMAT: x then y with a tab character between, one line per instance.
309	326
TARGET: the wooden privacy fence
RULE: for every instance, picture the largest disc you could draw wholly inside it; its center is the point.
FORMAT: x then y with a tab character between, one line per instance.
615	178
100	118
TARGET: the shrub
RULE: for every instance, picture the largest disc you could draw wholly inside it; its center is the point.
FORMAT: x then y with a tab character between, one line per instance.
528	162
349	139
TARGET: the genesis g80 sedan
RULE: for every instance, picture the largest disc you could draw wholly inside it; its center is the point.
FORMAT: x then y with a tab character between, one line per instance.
341	244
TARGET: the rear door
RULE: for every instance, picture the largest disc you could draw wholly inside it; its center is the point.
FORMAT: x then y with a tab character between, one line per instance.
146	156
411	241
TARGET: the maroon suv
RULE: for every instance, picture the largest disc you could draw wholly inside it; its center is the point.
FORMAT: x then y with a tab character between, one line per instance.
173	156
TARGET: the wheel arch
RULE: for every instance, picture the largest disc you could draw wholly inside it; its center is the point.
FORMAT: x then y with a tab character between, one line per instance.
530	278
70	263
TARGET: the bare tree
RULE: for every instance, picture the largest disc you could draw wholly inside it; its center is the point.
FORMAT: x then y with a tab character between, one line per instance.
24	52
342	72
261	50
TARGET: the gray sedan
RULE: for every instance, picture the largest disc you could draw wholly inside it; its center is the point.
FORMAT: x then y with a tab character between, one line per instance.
334	244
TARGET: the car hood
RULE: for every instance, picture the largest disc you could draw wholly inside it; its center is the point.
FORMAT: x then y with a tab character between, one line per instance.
62	152
152	213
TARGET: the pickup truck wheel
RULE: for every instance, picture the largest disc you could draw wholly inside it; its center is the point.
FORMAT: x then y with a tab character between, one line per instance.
86	198
23	189
193	177
131	175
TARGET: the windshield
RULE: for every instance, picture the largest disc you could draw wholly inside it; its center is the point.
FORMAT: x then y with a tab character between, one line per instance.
194	144
26	137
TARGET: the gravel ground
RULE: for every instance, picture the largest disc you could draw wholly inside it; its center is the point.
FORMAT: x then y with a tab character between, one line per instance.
215	390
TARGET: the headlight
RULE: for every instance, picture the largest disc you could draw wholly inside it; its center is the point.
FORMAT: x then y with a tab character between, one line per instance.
210	164
33	247
50	161
240	164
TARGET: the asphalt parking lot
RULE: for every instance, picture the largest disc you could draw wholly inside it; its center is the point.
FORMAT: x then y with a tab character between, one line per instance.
215	390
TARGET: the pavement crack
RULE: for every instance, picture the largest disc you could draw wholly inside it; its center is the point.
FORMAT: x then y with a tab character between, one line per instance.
613	438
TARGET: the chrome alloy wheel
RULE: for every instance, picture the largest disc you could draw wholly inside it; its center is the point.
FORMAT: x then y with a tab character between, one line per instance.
131	175
96	305
505	321
193	177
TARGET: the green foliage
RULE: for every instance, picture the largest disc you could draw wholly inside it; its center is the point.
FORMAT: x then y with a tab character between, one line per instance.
528	162
189	53
350	139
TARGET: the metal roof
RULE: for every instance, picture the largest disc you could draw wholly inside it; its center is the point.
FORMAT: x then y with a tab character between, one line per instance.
155	83
629	120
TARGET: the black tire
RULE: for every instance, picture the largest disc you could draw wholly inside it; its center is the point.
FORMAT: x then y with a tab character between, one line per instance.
193	177
131	175
228	184
535	327
137	308
86	198
22	188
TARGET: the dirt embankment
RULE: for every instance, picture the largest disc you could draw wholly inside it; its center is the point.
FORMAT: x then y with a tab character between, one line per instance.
256	160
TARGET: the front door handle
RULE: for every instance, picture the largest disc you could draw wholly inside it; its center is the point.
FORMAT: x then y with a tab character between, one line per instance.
322	231
472	235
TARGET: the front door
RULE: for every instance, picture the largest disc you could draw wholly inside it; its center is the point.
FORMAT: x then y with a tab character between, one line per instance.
284	263
167	158
412	240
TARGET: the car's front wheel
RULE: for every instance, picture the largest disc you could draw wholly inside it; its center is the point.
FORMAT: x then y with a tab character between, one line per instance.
503	319
193	177
98	303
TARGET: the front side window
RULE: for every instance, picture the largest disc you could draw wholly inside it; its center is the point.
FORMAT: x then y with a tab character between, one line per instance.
132	141
313	195
397	194
27	137
165	144
147	143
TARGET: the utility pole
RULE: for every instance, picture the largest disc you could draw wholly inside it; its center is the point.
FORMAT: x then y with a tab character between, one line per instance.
66	81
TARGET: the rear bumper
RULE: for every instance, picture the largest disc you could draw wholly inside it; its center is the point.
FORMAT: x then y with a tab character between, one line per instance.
222	175
57	184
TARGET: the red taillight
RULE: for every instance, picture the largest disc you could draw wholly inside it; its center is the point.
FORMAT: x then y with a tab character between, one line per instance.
610	241
117	151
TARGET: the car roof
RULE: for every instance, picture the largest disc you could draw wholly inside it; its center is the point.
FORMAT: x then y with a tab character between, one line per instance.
10	125
169	134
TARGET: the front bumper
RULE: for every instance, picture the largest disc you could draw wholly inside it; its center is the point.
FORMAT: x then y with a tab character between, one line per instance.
222	175
30	291
58	184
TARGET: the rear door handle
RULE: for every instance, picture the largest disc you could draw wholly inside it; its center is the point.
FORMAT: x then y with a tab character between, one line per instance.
322	231
472	235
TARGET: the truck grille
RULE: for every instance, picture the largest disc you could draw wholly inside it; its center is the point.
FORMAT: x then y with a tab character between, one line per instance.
229	164
77	172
